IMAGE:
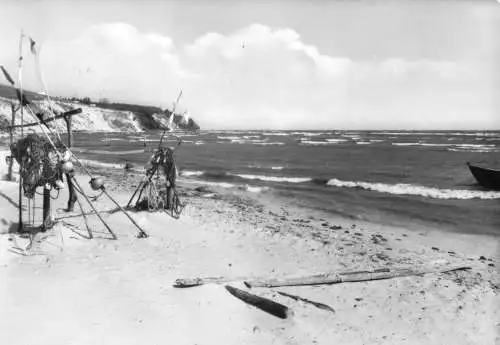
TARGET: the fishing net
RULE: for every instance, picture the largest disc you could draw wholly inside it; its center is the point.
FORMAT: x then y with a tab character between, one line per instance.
38	162
158	191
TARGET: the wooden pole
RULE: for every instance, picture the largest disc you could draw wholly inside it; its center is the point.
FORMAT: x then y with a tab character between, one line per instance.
84	216
142	233
135	192
171	119
94	209
50	119
11	139
71	189
46	209
20	88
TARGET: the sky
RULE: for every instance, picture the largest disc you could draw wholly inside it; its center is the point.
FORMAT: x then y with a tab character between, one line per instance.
292	64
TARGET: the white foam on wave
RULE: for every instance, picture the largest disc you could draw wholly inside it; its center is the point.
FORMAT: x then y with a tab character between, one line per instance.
317	143
309	134
188	173
274	178
477	134
479	146
210	183
105	140
253	189
98	164
450	146
465	149
336	140
275	133
266	167
266	144
228	137
408	189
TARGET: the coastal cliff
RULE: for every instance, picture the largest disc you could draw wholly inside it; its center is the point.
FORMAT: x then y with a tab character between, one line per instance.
96	116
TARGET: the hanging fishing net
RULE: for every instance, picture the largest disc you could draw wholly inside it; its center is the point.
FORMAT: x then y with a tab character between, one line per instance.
38	162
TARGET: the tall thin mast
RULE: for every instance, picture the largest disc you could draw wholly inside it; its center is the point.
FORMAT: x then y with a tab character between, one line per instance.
20	88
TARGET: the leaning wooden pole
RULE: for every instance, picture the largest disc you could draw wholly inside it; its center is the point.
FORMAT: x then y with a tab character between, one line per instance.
94	209
142	233
50	119
84	215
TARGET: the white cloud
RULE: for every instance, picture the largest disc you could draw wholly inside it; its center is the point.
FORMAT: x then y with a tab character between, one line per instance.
263	77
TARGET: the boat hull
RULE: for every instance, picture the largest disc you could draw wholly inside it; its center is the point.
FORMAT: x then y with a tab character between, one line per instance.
487	178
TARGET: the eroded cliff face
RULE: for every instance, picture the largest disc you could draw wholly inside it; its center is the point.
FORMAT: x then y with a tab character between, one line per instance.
99	119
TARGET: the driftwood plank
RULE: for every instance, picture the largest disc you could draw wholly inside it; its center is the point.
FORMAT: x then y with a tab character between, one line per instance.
197	281
305	300
328	279
267	305
191	282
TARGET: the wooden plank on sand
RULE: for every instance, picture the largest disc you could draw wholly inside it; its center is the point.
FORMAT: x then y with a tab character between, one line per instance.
267	305
328	279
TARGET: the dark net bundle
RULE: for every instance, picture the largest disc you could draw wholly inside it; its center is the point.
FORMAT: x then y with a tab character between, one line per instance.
38	161
164	157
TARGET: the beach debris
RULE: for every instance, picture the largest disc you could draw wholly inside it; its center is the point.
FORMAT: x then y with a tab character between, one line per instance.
264	304
191	282
305	300
347	277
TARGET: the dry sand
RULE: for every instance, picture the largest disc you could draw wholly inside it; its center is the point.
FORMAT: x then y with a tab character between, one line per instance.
69	290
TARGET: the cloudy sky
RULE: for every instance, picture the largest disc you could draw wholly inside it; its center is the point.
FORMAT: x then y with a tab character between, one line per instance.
272	64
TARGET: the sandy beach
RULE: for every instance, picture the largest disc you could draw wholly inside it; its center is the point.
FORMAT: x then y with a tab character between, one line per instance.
67	289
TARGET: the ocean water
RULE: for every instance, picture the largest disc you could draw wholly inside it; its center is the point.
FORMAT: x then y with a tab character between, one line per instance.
409	178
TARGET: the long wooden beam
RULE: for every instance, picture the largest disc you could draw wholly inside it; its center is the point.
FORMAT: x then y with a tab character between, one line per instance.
50	119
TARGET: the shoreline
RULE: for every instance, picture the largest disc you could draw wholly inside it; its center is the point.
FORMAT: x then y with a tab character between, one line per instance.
126	285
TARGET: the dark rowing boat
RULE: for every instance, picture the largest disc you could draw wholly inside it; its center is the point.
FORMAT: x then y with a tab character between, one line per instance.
488	178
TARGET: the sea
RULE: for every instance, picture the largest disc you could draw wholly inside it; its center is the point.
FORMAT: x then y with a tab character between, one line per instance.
400	178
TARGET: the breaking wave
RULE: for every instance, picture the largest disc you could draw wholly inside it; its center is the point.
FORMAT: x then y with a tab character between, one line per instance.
188	173
98	164
253	189
316	143
408	189
273	178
